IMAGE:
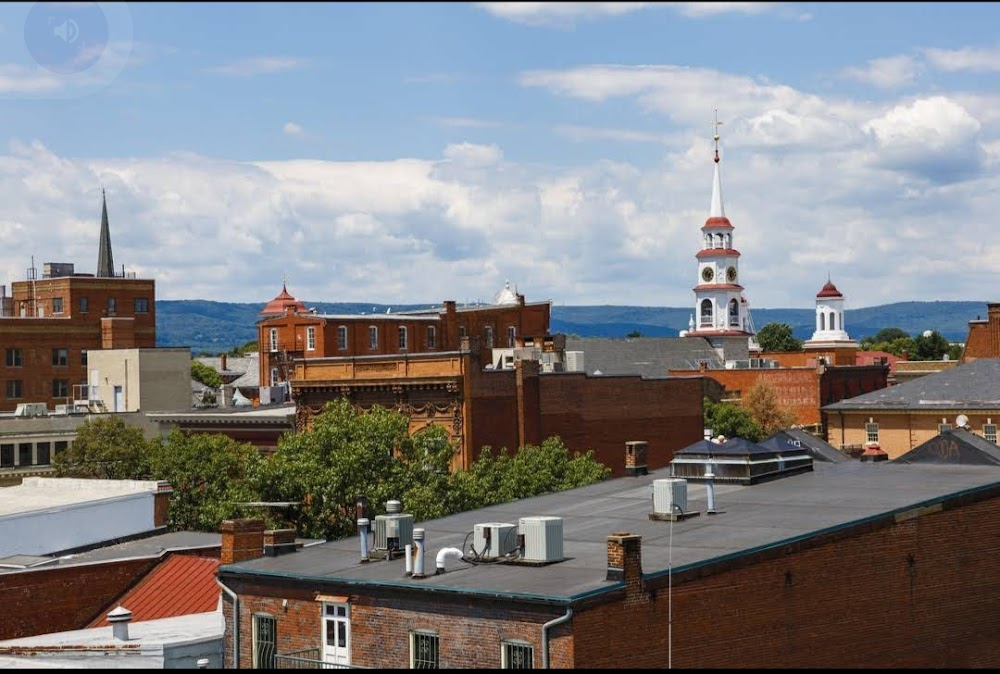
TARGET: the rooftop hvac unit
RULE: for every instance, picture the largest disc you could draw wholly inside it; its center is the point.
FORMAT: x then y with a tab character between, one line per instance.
394	530
574	361
494	539
670	496
543	538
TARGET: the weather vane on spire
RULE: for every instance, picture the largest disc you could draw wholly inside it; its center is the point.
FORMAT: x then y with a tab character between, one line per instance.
715	134
284	279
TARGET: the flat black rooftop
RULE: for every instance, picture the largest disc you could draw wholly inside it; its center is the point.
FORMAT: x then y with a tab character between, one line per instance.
833	496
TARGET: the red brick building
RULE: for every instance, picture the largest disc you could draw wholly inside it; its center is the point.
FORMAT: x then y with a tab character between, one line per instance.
983	340
48	324
782	576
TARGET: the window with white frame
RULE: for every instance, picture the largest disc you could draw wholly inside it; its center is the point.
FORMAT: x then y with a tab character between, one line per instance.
336	634
431	337
265	638
402	337
372	338
274	339
311	338
424	650
511	336
516	655
990	432
57	305
871	432
342	337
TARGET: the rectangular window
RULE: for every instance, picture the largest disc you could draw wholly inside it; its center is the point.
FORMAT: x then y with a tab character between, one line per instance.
461	331
342	337
83	356
990	432
57	305
871	432
424	650
274	377
372	337
511	336
13	358
24	454
265	639
142	305
15	388
84	305
43	450
60	357
489	337
60	388
112	306
402	337
274	339
7	455
311	338
61	446
516	655
431	337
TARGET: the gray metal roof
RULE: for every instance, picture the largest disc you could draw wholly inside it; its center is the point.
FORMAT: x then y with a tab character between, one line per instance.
973	386
820	449
646	356
832	496
955	446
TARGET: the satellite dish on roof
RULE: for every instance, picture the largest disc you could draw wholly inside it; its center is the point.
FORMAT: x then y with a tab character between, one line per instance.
962	421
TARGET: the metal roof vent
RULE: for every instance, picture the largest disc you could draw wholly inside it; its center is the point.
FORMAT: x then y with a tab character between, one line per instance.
670	500
119	619
543	539
393	532
492	540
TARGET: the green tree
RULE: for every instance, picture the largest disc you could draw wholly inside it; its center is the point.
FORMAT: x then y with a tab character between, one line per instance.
732	420
212	475
761	400
955	351
889	334
635	334
203	374
106	448
929	346
244	349
778	337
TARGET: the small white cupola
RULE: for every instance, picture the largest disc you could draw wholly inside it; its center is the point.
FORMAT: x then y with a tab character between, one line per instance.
830	326
506	295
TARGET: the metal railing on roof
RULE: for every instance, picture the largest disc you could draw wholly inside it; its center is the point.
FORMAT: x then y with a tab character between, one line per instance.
309	658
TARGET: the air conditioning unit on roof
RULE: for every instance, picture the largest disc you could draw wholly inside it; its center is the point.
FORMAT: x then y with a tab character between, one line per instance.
543	538
670	496
494	539
394	530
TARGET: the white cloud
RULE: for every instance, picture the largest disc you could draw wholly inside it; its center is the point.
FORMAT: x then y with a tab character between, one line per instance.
293	129
258	65
464	122
473	155
886	73
580	134
967	58
565	13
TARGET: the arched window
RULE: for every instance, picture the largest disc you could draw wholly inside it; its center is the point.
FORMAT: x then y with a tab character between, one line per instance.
706	312
822	321
734	313
833	320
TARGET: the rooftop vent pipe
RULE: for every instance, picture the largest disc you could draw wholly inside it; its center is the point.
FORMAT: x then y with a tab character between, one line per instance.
445	553
710	487
418	563
119	619
363	536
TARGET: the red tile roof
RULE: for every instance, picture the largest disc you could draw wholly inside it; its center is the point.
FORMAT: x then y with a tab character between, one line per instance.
179	585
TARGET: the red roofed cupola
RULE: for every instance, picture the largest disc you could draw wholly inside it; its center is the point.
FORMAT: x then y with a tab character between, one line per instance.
280	304
829	290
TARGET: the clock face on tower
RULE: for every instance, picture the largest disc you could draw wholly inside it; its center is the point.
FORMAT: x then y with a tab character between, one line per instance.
731	274
707	274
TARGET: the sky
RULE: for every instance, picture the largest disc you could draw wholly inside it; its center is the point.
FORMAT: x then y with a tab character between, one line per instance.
419	152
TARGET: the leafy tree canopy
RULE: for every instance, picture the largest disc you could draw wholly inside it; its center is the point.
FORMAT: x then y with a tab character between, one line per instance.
761	400
778	337
929	346
732	420
106	448
203	374
889	334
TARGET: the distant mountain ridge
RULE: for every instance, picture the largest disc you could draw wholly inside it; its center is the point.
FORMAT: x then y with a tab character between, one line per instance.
215	327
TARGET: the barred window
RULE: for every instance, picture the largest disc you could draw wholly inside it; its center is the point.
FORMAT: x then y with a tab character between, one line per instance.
424	650
990	432
372	338
516	655
402	337
265	637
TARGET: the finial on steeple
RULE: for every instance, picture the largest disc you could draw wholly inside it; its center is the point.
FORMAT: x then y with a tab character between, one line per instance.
284	280
105	262
715	134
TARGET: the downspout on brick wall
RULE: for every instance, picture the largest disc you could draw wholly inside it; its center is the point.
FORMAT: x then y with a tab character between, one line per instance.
545	635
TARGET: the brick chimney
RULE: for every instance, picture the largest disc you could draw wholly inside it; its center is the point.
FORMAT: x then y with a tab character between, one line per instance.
635	457
242	540
222	361
279	542
161	504
625	563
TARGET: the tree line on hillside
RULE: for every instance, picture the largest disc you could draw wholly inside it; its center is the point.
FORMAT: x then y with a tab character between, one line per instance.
322	471
929	345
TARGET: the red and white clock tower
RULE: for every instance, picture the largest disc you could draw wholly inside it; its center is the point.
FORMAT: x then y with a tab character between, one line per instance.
721	313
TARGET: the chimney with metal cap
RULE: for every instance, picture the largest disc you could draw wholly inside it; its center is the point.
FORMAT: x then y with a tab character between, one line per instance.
119	619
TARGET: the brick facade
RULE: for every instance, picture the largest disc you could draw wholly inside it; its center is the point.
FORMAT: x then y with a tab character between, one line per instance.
902	430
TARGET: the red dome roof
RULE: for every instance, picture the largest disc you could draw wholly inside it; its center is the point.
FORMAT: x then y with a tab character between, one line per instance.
829	290
280	304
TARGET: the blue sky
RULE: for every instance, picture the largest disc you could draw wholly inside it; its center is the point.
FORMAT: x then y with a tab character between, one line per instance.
412	153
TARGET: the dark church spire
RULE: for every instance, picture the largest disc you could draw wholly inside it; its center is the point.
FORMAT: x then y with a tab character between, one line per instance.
105	263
